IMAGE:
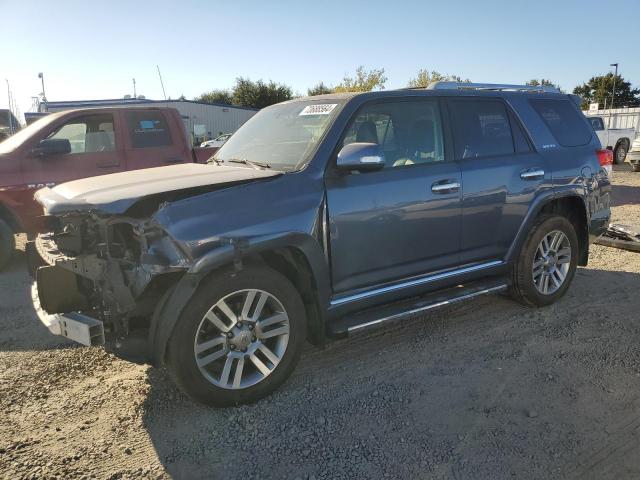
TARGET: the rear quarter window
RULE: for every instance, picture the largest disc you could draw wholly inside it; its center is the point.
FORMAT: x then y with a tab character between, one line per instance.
148	129
565	122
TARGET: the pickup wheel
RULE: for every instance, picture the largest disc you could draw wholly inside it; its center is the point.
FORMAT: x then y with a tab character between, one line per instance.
239	338
620	153
7	243
547	262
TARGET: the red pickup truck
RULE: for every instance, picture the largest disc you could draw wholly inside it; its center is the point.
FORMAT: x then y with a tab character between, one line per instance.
76	144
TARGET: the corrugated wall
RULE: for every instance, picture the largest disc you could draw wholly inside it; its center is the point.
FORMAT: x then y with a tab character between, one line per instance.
618	117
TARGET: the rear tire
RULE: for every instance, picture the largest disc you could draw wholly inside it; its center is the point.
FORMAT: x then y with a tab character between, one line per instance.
620	154
539	279
209	346
7	244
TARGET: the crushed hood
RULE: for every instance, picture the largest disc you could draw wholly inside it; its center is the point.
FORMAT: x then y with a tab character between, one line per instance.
117	192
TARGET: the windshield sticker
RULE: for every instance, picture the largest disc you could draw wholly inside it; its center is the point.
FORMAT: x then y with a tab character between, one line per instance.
320	109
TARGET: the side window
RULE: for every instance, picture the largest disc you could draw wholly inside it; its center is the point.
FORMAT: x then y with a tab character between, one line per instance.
596	123
481	128
148	129
563	119
88	134
409	132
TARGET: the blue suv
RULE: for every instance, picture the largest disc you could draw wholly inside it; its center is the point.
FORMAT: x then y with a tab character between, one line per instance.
321	217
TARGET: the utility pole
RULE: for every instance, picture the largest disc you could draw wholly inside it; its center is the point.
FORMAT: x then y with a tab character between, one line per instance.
161	84
9	100
134	89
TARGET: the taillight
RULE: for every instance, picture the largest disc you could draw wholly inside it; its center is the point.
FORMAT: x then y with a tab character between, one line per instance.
605	158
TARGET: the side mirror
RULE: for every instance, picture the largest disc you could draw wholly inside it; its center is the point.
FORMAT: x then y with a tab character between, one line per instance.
362	157
52	146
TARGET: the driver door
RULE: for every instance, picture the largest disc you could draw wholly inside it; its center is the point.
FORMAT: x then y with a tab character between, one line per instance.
403	220
95	150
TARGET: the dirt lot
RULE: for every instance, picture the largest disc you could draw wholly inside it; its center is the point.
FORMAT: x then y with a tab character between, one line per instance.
489	389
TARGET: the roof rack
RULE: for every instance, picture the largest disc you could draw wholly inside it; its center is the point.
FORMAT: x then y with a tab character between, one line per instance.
492	87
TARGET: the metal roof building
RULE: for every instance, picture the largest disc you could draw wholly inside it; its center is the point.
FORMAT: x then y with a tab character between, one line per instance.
202	120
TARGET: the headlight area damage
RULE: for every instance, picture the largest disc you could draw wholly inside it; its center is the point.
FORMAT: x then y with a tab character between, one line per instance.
109	271
108	260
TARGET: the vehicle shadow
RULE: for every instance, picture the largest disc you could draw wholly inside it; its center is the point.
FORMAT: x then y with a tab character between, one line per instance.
20	329
453	394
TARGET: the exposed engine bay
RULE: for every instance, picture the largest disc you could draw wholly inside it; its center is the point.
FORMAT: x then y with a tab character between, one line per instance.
112	268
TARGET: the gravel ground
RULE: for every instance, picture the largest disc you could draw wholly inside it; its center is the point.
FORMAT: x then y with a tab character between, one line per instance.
489	389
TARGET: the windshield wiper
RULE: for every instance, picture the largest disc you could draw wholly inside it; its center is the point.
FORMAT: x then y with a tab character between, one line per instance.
251	163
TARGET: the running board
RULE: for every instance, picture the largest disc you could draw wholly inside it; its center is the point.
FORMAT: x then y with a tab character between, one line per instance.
374	317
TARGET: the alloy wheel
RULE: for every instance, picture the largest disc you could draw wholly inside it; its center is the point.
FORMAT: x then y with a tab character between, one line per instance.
551	262
241	339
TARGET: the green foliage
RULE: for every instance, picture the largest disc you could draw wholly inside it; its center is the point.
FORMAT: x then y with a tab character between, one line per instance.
425	77
543	82
598	89
258	94
216	96
363	81
319	89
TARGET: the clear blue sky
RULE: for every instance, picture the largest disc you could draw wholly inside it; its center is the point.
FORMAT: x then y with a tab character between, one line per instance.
89	49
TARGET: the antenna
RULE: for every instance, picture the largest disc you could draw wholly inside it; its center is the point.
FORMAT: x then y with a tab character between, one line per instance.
161	84
134	88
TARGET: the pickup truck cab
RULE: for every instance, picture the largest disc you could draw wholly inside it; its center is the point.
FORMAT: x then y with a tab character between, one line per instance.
321	217
616	139
77	144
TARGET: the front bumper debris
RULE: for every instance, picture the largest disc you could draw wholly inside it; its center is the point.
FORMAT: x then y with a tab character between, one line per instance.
73	325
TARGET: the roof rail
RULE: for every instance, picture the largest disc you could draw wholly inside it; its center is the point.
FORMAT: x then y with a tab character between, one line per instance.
492	86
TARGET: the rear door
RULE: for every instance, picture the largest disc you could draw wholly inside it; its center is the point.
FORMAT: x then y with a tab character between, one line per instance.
153	139
96	149
403	220
501	173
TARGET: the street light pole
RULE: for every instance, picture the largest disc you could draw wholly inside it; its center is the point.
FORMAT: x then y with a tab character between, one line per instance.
613	92
44	95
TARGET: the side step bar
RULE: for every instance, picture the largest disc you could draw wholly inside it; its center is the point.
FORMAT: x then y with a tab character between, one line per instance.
376	316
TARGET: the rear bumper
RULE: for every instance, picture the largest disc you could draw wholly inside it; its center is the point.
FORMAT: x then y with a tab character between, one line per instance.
73	325
633	158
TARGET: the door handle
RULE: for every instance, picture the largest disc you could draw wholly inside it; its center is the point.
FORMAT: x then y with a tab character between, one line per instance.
107	164
445	186
173	160
532	174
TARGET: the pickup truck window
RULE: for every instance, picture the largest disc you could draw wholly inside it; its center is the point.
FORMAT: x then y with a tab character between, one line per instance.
88	134
596	123
564	121
148	129
410	133
481	128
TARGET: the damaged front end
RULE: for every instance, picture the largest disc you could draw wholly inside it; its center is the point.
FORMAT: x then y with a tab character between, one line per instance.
100	277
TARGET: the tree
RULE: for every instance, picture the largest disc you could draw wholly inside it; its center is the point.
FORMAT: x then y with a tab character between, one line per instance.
319	89
364	81
543	82
598	89
425	77
247	93
216	96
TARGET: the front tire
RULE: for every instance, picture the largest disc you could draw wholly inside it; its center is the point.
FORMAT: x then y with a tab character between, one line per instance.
7	243
547	262
239	338
636	167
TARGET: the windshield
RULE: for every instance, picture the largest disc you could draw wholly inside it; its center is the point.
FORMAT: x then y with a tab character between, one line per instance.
13	142
282	136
